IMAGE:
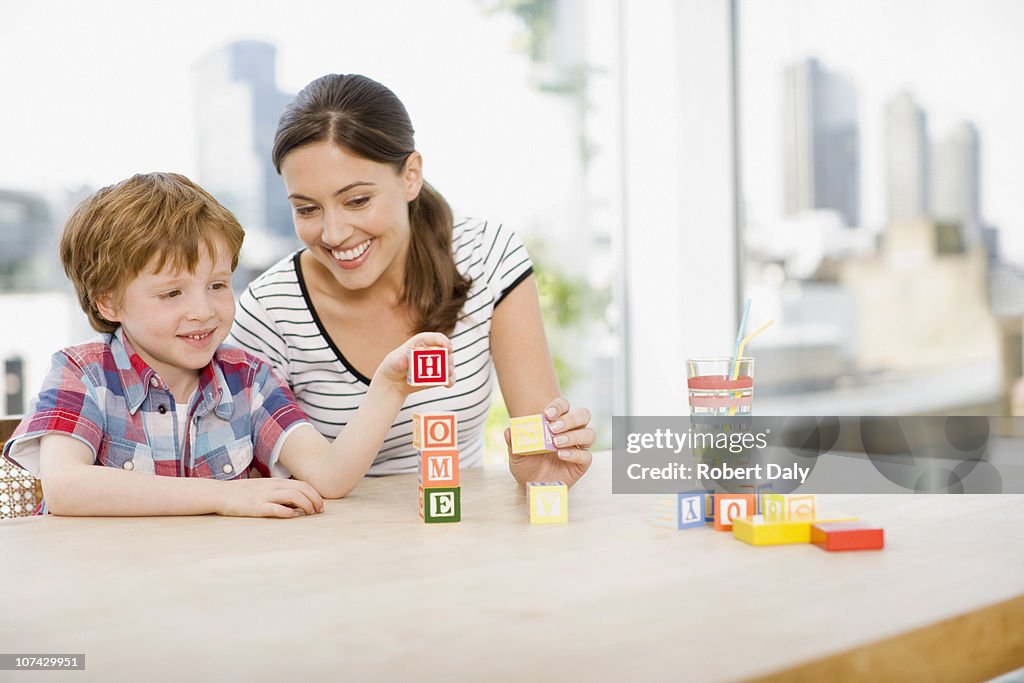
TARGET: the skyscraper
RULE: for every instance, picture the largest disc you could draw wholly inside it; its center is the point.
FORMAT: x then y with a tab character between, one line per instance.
906	158
956	180
237	109
821	142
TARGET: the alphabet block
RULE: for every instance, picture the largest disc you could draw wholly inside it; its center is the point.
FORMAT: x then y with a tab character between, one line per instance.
439	468
428	367
440	505
434	430
789	508
531	435
800	508
762	491
847	536
773	507
730	506
549	502
679	511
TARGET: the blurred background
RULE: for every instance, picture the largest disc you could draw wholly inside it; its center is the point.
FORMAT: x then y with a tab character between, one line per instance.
850	167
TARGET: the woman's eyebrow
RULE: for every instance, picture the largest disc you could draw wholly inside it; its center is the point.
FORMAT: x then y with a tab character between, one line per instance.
358	183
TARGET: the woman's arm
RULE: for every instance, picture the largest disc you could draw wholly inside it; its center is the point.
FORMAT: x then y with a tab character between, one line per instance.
528	383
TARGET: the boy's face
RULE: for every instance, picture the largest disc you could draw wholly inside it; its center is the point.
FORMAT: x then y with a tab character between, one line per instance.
176	320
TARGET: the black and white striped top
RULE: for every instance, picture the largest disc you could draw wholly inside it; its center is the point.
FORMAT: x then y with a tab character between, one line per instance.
276	321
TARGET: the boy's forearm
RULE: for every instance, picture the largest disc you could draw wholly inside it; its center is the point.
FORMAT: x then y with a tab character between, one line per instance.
355	449
91	490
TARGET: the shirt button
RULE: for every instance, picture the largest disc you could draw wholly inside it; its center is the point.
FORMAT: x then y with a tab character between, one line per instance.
129	465
162	409
154	382
227	469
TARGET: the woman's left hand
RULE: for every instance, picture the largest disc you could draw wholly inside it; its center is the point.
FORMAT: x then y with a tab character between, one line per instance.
572	437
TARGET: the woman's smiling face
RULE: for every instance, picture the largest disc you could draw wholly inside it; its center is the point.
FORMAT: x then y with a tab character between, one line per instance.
352	213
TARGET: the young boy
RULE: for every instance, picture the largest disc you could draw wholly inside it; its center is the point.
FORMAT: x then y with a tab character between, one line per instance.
151	260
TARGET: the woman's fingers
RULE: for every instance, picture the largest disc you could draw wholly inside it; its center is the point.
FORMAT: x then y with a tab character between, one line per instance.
574	419
577	456
558	406
581	438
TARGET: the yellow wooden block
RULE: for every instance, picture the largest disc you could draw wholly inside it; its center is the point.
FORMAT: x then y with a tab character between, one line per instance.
773	507
549	502
823	517
531	435
756	530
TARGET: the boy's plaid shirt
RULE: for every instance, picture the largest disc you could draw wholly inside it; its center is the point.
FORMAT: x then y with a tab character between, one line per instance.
103	394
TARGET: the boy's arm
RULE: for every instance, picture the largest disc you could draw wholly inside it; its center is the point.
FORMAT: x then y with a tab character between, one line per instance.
73	485
334	469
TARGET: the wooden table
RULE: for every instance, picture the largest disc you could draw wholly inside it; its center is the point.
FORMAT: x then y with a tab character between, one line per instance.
366	591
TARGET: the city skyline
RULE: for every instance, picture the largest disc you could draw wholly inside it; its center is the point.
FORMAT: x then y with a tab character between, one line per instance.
915	45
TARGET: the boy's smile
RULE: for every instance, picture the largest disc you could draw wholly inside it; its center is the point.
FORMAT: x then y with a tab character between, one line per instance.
176	320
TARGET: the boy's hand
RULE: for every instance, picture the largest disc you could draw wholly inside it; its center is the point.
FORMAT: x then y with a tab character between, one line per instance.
394	368
572	437
270	498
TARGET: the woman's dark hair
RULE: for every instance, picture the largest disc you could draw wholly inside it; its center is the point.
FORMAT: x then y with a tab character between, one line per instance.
364	118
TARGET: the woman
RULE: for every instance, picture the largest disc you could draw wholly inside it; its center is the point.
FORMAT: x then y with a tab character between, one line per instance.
384	260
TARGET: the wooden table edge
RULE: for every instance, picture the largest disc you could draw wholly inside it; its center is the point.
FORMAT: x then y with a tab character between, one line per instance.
975	646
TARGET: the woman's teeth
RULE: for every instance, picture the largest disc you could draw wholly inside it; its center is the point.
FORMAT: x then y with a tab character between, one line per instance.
350	254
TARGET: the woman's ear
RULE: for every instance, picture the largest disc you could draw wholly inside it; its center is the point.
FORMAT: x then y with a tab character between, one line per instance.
105	305
412	174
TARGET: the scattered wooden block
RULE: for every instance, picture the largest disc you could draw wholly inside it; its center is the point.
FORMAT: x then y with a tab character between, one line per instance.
730	506
778	507
428	367
774	507
531	435
549	502
679	510
434	430
439	468
709	508
440	505
756	531
762	491
800	508
847	536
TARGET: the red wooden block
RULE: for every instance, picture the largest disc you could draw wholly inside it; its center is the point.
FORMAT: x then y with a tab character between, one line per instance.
428	367
847	536
729	506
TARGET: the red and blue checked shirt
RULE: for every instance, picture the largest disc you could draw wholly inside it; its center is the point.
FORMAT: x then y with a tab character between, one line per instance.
103	394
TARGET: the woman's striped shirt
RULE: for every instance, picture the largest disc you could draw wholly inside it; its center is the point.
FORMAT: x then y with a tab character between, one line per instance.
277	321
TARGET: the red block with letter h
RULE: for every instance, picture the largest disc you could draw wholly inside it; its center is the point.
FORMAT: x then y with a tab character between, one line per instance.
428	367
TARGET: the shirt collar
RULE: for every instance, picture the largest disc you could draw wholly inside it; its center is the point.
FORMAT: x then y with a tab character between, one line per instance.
137	378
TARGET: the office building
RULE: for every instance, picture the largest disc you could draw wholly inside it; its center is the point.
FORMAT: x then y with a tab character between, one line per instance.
821	139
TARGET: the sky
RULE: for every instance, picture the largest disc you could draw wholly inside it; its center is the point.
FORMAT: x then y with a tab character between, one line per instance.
95	92
960	60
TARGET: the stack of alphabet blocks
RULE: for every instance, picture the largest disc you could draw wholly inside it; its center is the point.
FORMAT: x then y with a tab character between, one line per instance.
435	436
767	519
548	500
